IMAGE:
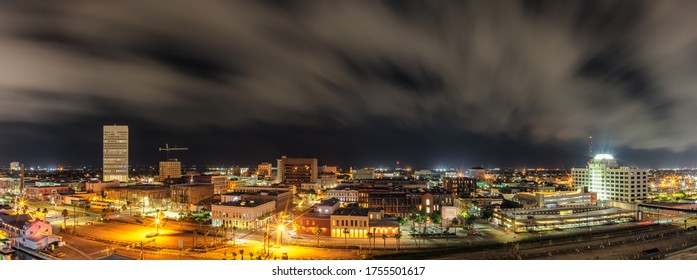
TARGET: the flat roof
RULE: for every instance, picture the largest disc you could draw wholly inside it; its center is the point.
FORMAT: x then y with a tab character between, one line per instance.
329	202
351	211
540	213
245	203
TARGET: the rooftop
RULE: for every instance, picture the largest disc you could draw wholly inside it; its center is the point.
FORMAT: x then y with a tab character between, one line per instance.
329	202
245	203
351	211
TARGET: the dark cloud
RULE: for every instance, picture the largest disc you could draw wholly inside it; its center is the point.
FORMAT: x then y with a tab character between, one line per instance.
425	73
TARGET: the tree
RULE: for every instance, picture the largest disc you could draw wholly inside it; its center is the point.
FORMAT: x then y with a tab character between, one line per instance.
402	221
234	255
370	236
103	214
65	215
45	211
455	222
251	255
398	236
384	243
316	230
487	214
242	254
130	207
234	236
436	218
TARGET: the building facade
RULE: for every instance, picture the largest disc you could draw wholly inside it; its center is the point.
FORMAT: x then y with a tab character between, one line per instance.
170	169
610	181
186	196
296	171
461	186
264	169
243	214
115	153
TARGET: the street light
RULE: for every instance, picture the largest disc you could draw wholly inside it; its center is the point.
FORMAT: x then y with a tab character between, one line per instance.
346	232
281	228
157	225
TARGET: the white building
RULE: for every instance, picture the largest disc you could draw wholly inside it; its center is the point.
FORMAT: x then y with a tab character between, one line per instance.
115	153
243	214
38	235
611	182
345	195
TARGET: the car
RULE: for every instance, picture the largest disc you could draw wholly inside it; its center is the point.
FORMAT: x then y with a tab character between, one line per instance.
89	223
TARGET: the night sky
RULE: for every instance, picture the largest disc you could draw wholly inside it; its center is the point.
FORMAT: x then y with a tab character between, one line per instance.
360	83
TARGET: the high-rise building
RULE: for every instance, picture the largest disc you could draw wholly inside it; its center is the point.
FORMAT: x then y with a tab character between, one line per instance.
610	181
115	153
170	169
14	166
297	171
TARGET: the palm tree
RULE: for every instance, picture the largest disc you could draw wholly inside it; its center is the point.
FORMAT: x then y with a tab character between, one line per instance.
398	236
103	214
130	207
234	255
370	237
384	243
436	218
317	231
251	255
242	254
65	215
234	236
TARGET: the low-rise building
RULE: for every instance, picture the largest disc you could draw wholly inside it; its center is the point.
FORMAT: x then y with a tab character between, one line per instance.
98	187
283	199
186	196
39	191
351	222
539	219
37	235
139	195
243	214
328	206
344	194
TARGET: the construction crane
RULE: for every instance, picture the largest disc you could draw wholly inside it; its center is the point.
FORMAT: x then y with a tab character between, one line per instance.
167	149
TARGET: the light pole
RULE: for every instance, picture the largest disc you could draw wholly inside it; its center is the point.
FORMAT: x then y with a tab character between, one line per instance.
280	232
346	232
157	225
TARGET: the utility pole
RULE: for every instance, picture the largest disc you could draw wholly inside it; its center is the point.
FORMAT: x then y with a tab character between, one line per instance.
74	218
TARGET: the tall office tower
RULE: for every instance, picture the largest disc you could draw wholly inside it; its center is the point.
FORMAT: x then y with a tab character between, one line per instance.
115	156
297	171
610	181
170	169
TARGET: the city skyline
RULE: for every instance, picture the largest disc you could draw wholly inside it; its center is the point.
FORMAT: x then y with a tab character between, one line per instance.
249	82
